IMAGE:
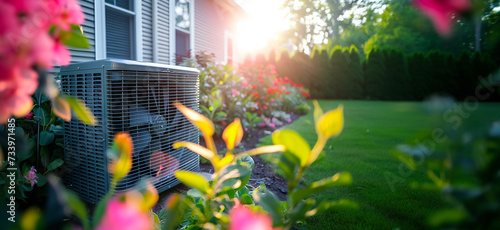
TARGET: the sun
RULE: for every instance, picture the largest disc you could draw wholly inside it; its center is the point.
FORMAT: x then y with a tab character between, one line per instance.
266	19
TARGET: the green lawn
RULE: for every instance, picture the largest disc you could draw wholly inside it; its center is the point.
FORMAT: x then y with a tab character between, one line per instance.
371	131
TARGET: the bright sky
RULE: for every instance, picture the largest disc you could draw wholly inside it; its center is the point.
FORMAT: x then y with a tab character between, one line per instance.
266	19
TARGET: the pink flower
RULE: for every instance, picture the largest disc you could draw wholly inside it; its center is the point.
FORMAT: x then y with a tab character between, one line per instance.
242	218
31	177
121	215
441	12
272	125
29	116
25	42
262	124
289	120
235	92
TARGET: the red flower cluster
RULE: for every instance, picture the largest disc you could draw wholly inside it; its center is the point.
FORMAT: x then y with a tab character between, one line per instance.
271	90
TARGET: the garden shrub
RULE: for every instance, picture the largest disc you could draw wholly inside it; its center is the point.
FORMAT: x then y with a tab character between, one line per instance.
375	76
387	74
253	93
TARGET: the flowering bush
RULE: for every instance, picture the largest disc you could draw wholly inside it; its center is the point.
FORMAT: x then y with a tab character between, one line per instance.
33	36
254	94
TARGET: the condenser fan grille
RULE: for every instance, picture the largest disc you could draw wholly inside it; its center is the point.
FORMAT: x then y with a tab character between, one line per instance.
141	103
131	97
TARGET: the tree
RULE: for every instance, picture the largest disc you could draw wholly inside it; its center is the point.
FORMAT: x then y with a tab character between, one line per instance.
375	72
317	20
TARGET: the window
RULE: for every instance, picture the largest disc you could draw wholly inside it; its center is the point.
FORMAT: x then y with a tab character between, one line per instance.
229	51
182	30
229	48
120	29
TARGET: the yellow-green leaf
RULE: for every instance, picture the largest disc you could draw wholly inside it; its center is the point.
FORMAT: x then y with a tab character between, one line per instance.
317	111
233	134
293	143
82	112
201	122
61	108
121	155
193	180
264	149
331	123
202	151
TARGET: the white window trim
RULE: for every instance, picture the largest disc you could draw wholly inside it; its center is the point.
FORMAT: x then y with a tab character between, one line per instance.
172	29
100	29
228	34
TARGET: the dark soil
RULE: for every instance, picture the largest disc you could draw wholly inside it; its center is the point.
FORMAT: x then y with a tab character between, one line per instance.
262	172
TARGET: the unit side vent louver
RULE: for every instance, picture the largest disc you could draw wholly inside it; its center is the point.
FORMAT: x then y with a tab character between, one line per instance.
133	97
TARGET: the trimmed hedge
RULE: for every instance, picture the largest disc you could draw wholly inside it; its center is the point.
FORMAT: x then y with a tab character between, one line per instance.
386	74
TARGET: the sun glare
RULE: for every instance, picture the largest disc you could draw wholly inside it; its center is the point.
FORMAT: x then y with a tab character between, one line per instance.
266	19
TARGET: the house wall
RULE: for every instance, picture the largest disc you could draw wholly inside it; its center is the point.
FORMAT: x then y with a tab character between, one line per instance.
82	55
147	31
211	22
163	27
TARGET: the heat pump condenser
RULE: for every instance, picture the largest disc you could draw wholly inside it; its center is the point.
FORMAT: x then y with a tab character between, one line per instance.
133	97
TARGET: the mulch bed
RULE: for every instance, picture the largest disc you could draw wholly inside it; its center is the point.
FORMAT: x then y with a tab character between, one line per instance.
262	172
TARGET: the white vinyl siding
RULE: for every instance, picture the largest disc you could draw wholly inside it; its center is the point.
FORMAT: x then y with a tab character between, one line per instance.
163	27
147	30
82	55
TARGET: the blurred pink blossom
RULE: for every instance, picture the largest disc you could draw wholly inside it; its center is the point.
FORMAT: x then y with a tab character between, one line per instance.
31	177
242	218
25	42
272	125
121	215
441	12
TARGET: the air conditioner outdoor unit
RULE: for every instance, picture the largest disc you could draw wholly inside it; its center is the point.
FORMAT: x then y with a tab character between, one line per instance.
133	97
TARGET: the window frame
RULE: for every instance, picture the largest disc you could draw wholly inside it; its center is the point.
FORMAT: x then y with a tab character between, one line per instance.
100	28
229	35
173	29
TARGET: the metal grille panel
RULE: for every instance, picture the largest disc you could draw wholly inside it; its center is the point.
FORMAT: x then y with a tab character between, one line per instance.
129	97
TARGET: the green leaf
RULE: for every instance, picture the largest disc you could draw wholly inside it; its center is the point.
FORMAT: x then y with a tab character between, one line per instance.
174	211
42	180
74	39
294	144
287	166
339	205
54	164
46	138
338	179
246	199
193	180
60	142
81	111
300	210
445	217
234	175
57	130
29	150
69	198
41	115
270	203
45	156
